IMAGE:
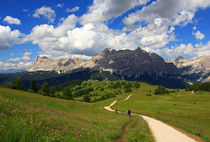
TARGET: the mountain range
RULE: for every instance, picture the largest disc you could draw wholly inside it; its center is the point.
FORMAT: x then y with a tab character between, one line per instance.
118	65
128	64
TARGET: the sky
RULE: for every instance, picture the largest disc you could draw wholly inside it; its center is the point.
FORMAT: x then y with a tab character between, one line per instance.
84	28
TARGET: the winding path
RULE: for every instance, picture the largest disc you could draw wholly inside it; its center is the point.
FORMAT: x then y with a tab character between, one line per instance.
161	131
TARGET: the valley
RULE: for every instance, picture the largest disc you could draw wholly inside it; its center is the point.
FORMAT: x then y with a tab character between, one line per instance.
25	116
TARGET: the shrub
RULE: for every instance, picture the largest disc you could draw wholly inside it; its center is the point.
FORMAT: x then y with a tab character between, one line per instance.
86	98
67	93
161	90
18	84
33	86
44	89
199	86
127	90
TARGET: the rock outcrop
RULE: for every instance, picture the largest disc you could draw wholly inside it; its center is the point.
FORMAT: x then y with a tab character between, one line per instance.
194	70
61	65
133	62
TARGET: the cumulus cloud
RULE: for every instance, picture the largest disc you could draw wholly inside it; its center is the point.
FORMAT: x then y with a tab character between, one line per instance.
154	30
66	40
104	10
11	20
46	12
11	65
26	56
68	10
157	21
176	11
17	63
8	38
186	49
198	35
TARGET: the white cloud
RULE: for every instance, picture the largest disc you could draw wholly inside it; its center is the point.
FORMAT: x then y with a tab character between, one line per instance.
104	10
186	49
157	21
14	59
178	12
68	10
8	38
26	56
66	40
11	20
17	63
199	35
46	12
60	5
155	29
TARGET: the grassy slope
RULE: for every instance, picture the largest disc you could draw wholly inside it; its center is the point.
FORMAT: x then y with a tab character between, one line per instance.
182	109
31	117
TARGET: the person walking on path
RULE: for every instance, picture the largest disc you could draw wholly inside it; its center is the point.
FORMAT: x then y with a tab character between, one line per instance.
129	113
116	110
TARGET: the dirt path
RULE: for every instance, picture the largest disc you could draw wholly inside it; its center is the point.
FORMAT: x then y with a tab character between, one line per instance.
122	139
161	131
127	98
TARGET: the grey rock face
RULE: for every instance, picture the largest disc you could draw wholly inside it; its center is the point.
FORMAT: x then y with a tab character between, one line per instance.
128	62
134	62
64	65
195	70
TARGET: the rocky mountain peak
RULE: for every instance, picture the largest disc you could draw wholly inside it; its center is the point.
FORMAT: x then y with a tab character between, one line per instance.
129	64
180	58
197	69
46	64
132	62
41	60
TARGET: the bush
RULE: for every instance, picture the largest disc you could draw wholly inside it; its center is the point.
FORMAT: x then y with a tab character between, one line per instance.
137	85
127	90
10	85
67	93
18	84
199	86
52	91
86	98
161	90
33	86
82	92
44	89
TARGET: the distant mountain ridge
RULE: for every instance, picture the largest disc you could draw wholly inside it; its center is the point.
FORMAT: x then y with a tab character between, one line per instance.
129	64
193	70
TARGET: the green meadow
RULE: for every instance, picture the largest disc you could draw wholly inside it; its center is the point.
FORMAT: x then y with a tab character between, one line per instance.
183	109
32	117
28	117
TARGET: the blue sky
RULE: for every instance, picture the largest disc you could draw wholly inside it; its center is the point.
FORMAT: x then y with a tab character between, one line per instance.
84	28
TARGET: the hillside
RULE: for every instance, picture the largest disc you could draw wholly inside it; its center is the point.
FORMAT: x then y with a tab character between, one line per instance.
183	109
32	117
67	120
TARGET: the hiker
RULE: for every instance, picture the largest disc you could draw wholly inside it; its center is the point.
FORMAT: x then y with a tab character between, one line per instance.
116	110
129	113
